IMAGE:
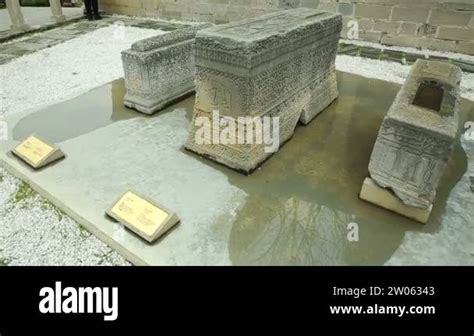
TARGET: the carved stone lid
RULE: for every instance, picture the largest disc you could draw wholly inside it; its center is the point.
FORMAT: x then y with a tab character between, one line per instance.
167	39
270	24
270	30
437	108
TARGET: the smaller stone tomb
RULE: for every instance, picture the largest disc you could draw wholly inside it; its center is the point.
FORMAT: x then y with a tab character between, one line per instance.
146	218
160	70
274	70
416	140
37	152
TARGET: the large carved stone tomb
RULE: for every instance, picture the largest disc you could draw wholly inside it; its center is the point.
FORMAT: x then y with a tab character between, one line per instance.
160	70
416	140
277	65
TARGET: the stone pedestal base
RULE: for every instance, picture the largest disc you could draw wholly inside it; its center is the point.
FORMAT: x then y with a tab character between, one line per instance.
58	18
374	194
321	97
149	106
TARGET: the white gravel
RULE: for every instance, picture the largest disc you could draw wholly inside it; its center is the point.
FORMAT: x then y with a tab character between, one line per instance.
66	70
391	71
33	232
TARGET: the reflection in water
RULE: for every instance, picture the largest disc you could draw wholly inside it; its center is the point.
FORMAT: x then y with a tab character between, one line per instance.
95	109
98	108
303	198
298	233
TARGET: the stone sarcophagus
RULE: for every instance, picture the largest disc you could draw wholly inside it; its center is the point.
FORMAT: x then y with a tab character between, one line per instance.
279	66
160	70
416	139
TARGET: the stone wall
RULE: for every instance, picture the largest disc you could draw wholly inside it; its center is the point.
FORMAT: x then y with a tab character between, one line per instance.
446	25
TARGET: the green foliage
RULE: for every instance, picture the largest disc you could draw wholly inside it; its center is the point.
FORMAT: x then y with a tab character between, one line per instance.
23	192
47	206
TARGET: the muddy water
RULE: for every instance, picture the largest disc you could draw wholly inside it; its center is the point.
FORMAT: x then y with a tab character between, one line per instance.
97	108
302	200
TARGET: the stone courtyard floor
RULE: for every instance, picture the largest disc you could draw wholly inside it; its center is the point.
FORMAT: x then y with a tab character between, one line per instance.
37	16
33	42
78	57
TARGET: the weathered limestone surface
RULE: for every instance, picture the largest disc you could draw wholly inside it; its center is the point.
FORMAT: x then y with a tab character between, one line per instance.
417	136
278	65
386	199
160	70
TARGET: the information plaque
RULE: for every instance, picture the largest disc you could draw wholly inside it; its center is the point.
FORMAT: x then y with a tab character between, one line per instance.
144	217
37	152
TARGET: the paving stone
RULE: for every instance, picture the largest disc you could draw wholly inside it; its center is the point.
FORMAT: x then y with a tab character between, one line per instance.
5	34
48	42
409	14
14	51
370	11
59	35
6	58
450	18
465	47
83	25
456	33
143	24
30	46
345	8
